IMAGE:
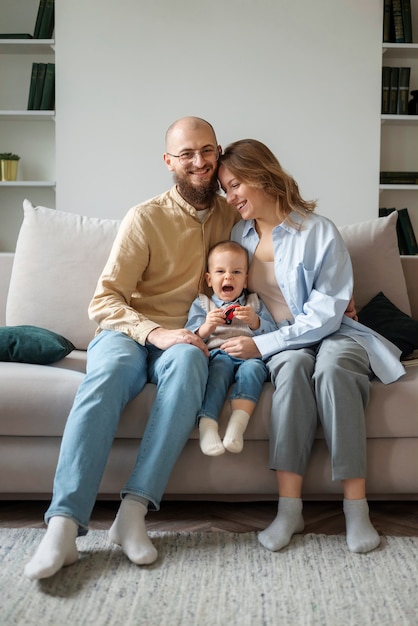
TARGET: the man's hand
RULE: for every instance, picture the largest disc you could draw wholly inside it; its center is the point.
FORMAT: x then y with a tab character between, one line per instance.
241	348
351	311
163	338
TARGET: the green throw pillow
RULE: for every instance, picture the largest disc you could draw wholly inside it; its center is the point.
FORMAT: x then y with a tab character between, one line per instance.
381	315
30	344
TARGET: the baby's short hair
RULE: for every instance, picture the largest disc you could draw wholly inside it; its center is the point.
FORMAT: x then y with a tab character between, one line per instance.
229	246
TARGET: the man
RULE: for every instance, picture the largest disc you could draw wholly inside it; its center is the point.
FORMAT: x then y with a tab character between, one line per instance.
154	272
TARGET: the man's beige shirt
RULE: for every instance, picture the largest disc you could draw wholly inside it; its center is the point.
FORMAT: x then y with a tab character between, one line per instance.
157	264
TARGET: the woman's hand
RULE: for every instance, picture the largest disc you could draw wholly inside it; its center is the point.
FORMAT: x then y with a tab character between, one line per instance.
351	311
241	348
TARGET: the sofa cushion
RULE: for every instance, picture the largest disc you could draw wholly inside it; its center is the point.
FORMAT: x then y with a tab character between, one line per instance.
59	258
30	344
373	247
384	317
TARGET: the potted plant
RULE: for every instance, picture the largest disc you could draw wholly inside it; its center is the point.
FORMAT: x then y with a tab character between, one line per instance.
8	166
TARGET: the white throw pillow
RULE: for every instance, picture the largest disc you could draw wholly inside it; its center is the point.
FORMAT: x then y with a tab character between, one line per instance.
59	258
373	247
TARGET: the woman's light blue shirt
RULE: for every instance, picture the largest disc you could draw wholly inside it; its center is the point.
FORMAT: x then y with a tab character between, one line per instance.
313	270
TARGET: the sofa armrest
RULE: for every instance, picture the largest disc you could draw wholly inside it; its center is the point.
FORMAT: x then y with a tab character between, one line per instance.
6	263
410	269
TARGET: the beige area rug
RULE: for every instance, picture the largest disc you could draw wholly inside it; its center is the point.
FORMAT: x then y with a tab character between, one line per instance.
214	579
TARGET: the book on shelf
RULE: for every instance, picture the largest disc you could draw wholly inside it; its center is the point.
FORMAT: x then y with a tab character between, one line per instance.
45	19
393	90
397	21
40	78
387	19
48	91
385	88
38	21
407	20
403	90
42	87
383	212
32	87
408	231
398	178
15	36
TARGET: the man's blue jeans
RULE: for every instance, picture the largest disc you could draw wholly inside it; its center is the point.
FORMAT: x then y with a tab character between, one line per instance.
117	370
249	376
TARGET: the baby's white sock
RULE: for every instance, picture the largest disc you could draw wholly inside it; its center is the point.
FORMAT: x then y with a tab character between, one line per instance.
57	548
361	535
210	442
288	521
234	436
129	531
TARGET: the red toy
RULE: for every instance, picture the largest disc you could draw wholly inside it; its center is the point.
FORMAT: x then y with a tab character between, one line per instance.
229	312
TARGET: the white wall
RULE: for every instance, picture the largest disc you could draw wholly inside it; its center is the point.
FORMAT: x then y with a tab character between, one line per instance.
303	76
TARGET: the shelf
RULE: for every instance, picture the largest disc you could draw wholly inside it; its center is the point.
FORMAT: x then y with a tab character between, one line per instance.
28	183
27	116
400	50
27	46
399	120
398	187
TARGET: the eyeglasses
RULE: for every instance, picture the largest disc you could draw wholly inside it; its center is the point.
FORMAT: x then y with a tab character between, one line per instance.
189	156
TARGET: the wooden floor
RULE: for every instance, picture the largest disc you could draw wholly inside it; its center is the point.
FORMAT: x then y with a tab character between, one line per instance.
389	518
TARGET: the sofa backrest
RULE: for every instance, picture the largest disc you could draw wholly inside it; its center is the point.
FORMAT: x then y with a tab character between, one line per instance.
59	258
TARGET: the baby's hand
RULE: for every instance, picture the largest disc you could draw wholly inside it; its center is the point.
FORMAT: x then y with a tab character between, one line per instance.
247	315
213	319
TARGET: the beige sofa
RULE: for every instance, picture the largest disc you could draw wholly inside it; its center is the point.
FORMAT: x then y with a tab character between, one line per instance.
48	283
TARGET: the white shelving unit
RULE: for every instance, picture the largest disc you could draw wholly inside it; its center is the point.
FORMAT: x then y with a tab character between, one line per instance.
27	50
399	133
31	134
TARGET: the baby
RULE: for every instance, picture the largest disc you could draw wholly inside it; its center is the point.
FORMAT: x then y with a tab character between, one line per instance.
230	312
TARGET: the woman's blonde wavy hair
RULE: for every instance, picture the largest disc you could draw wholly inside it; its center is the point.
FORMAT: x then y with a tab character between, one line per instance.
251	162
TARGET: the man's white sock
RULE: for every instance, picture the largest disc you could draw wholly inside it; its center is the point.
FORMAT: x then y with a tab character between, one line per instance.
57	548
129	531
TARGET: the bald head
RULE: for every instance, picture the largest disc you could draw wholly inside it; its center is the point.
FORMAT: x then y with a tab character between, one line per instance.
189	124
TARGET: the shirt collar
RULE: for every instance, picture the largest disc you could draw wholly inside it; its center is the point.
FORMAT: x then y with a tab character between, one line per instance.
221	303
249	226
189	207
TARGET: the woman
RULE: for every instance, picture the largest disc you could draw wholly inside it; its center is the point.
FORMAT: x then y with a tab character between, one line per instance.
319	360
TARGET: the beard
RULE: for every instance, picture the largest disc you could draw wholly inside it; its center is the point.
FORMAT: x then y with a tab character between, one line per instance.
198	196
